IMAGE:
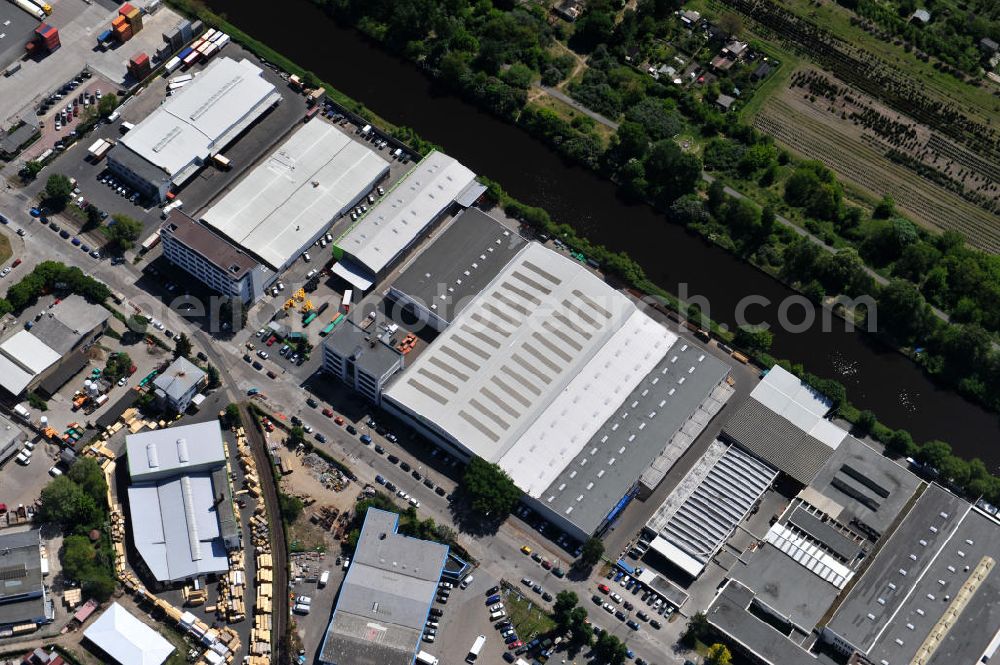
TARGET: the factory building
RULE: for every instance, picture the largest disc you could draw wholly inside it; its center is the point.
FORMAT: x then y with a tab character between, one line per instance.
385	598
180	502
282	206
174	141
361	358
564	383
435	187
23	597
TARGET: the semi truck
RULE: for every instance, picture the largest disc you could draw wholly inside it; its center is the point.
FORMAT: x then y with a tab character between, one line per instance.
44	6
99	149
31	8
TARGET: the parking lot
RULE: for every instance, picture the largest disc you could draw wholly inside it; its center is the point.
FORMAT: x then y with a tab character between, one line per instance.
79	24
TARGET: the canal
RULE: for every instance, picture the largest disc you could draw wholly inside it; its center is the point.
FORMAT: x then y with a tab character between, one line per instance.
876	377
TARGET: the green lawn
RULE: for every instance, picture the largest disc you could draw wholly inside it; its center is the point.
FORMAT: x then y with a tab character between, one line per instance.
530	620
5	250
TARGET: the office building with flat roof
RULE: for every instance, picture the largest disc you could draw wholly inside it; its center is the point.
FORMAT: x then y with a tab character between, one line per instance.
385	598
175	140
285	203
212	260
438	283
361	358
23	597
404	215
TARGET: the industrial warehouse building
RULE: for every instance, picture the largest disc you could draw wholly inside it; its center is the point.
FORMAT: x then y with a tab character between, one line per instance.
402	216
175	140
385	598
564	383
438	283
180	501
287	202
212	260
23	599
51	352
360	359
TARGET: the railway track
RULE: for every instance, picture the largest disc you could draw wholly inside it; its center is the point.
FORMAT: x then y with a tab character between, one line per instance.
279	551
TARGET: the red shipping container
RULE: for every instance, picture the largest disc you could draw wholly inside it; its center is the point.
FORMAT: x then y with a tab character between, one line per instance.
140	59
125	9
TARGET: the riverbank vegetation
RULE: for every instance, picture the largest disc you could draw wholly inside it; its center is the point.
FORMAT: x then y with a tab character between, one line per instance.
449	38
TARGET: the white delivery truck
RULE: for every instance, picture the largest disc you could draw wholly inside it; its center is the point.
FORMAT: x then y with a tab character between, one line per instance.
425	658
324	578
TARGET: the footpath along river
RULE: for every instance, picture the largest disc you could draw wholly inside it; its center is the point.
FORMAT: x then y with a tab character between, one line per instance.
876	377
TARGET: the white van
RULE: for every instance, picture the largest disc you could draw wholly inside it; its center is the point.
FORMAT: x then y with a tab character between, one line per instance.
24	459
324	578
496	616
467	581
301	609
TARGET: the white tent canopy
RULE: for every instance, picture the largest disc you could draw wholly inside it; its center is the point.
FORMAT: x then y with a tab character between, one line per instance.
127	639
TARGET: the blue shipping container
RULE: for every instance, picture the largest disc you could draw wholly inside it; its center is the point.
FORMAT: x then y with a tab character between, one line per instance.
185	53
104	36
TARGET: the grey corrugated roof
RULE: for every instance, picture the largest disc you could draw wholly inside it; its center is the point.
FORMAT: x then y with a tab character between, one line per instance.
661	407
174	450
63	326
461	262
823	532
67	369
384	600
954	535
777	441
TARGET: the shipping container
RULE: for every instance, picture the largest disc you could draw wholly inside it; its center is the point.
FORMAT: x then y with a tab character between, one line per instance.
209	34
185	52
222	41
222	162
217	36
125	9
311	113
182	78
211	51
202	47
172	65
192	58
310	317
105	37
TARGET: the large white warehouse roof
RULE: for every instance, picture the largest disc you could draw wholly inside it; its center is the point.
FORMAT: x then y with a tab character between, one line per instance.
532	368
286	202
127	639
406	210
23	357
208	113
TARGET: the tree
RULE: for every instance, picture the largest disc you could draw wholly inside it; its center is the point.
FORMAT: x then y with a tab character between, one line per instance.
93	219
213	376
89	476
632	141
107	105
934	453
718	654
731	24
903	310
296	436
32	169
492	492
885	209
813	186
696	630
670	171
77	556
232	415
900	442
754	338
609	649
865	423
123	232
182	346
117	366
743	217
591	552
582	631
65	503
659	120
563	608
291	507
57	191
717	196
594	27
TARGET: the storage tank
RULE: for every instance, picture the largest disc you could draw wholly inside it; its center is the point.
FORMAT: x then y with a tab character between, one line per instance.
44	420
